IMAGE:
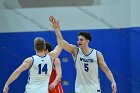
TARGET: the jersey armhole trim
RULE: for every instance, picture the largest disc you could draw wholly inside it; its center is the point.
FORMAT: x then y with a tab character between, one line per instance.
76	55
32	62
97	57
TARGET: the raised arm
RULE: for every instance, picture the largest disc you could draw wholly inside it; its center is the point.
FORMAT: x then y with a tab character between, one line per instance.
57	65
107	71
25	65
68	47
56	52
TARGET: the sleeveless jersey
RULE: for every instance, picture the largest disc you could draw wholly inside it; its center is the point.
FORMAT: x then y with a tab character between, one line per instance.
39	74
87	80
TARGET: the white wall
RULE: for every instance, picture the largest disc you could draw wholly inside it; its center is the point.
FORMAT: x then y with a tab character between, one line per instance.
135	13
109	14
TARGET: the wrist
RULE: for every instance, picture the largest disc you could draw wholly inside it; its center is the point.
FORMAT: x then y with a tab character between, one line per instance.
113	82
54	83
57	29
6	84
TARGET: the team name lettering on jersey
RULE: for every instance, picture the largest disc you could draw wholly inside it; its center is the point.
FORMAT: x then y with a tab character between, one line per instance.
86	60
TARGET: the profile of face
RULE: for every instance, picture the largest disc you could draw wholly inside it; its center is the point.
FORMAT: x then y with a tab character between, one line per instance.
82	42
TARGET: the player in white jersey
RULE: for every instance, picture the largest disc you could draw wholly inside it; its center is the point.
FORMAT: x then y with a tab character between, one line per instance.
40	67
87	61
39	74
87	72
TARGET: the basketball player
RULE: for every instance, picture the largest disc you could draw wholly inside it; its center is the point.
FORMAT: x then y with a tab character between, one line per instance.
54	83
87	62
40	68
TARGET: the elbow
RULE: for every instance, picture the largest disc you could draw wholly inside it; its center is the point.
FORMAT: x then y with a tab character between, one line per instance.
107	70
60	75
60	43
17	71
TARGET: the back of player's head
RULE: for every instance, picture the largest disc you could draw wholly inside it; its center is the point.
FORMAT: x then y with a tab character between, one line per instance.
39	44
86	35
48	46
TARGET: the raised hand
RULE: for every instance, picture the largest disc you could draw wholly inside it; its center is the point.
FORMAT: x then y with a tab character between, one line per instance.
54	23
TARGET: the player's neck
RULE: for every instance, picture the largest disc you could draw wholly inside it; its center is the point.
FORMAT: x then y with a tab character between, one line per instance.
41	54
86	50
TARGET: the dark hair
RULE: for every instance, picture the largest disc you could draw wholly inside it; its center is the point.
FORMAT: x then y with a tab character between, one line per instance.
48	46
39	44
86	35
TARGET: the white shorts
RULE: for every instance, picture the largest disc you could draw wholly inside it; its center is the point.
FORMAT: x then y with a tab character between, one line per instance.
36	88
87	89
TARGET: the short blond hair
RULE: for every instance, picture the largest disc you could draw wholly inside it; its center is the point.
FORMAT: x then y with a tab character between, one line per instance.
39	44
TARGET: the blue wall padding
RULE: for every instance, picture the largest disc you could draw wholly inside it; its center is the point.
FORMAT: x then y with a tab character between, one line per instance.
120	47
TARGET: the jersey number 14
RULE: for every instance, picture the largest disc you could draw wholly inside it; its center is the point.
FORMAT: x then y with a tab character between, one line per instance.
42	69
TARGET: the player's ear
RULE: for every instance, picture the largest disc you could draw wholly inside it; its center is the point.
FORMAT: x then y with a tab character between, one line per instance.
88	41
46	50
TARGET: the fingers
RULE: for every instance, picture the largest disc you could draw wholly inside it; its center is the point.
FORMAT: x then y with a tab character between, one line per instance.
58	22
54	23
52	19
114	89
5	91
52	86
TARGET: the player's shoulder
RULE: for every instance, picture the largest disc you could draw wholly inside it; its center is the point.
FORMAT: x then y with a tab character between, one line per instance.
28	59
99	55
57	59
74	50
98	52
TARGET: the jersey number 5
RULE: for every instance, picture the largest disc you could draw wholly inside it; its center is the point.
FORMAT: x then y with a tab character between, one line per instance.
86	67
42	69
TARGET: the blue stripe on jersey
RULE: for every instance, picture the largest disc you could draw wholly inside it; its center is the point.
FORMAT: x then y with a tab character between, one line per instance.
32	62
76	55
41	56
89	53
97	57
28	77
97	63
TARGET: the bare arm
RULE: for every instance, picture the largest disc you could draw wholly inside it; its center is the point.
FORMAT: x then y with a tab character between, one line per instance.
107	71
58	70
68	47
57	64
25	65
56	52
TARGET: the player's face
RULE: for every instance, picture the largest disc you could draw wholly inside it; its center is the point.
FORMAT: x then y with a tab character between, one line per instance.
82	42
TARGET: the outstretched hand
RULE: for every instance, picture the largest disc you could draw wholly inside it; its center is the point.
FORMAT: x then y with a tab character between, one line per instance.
54	23
114	88
6	88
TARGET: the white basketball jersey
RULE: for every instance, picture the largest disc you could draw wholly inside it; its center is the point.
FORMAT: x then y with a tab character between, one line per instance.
39	74
87	80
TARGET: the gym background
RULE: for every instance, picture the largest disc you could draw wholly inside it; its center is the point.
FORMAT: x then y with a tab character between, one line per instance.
113	24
